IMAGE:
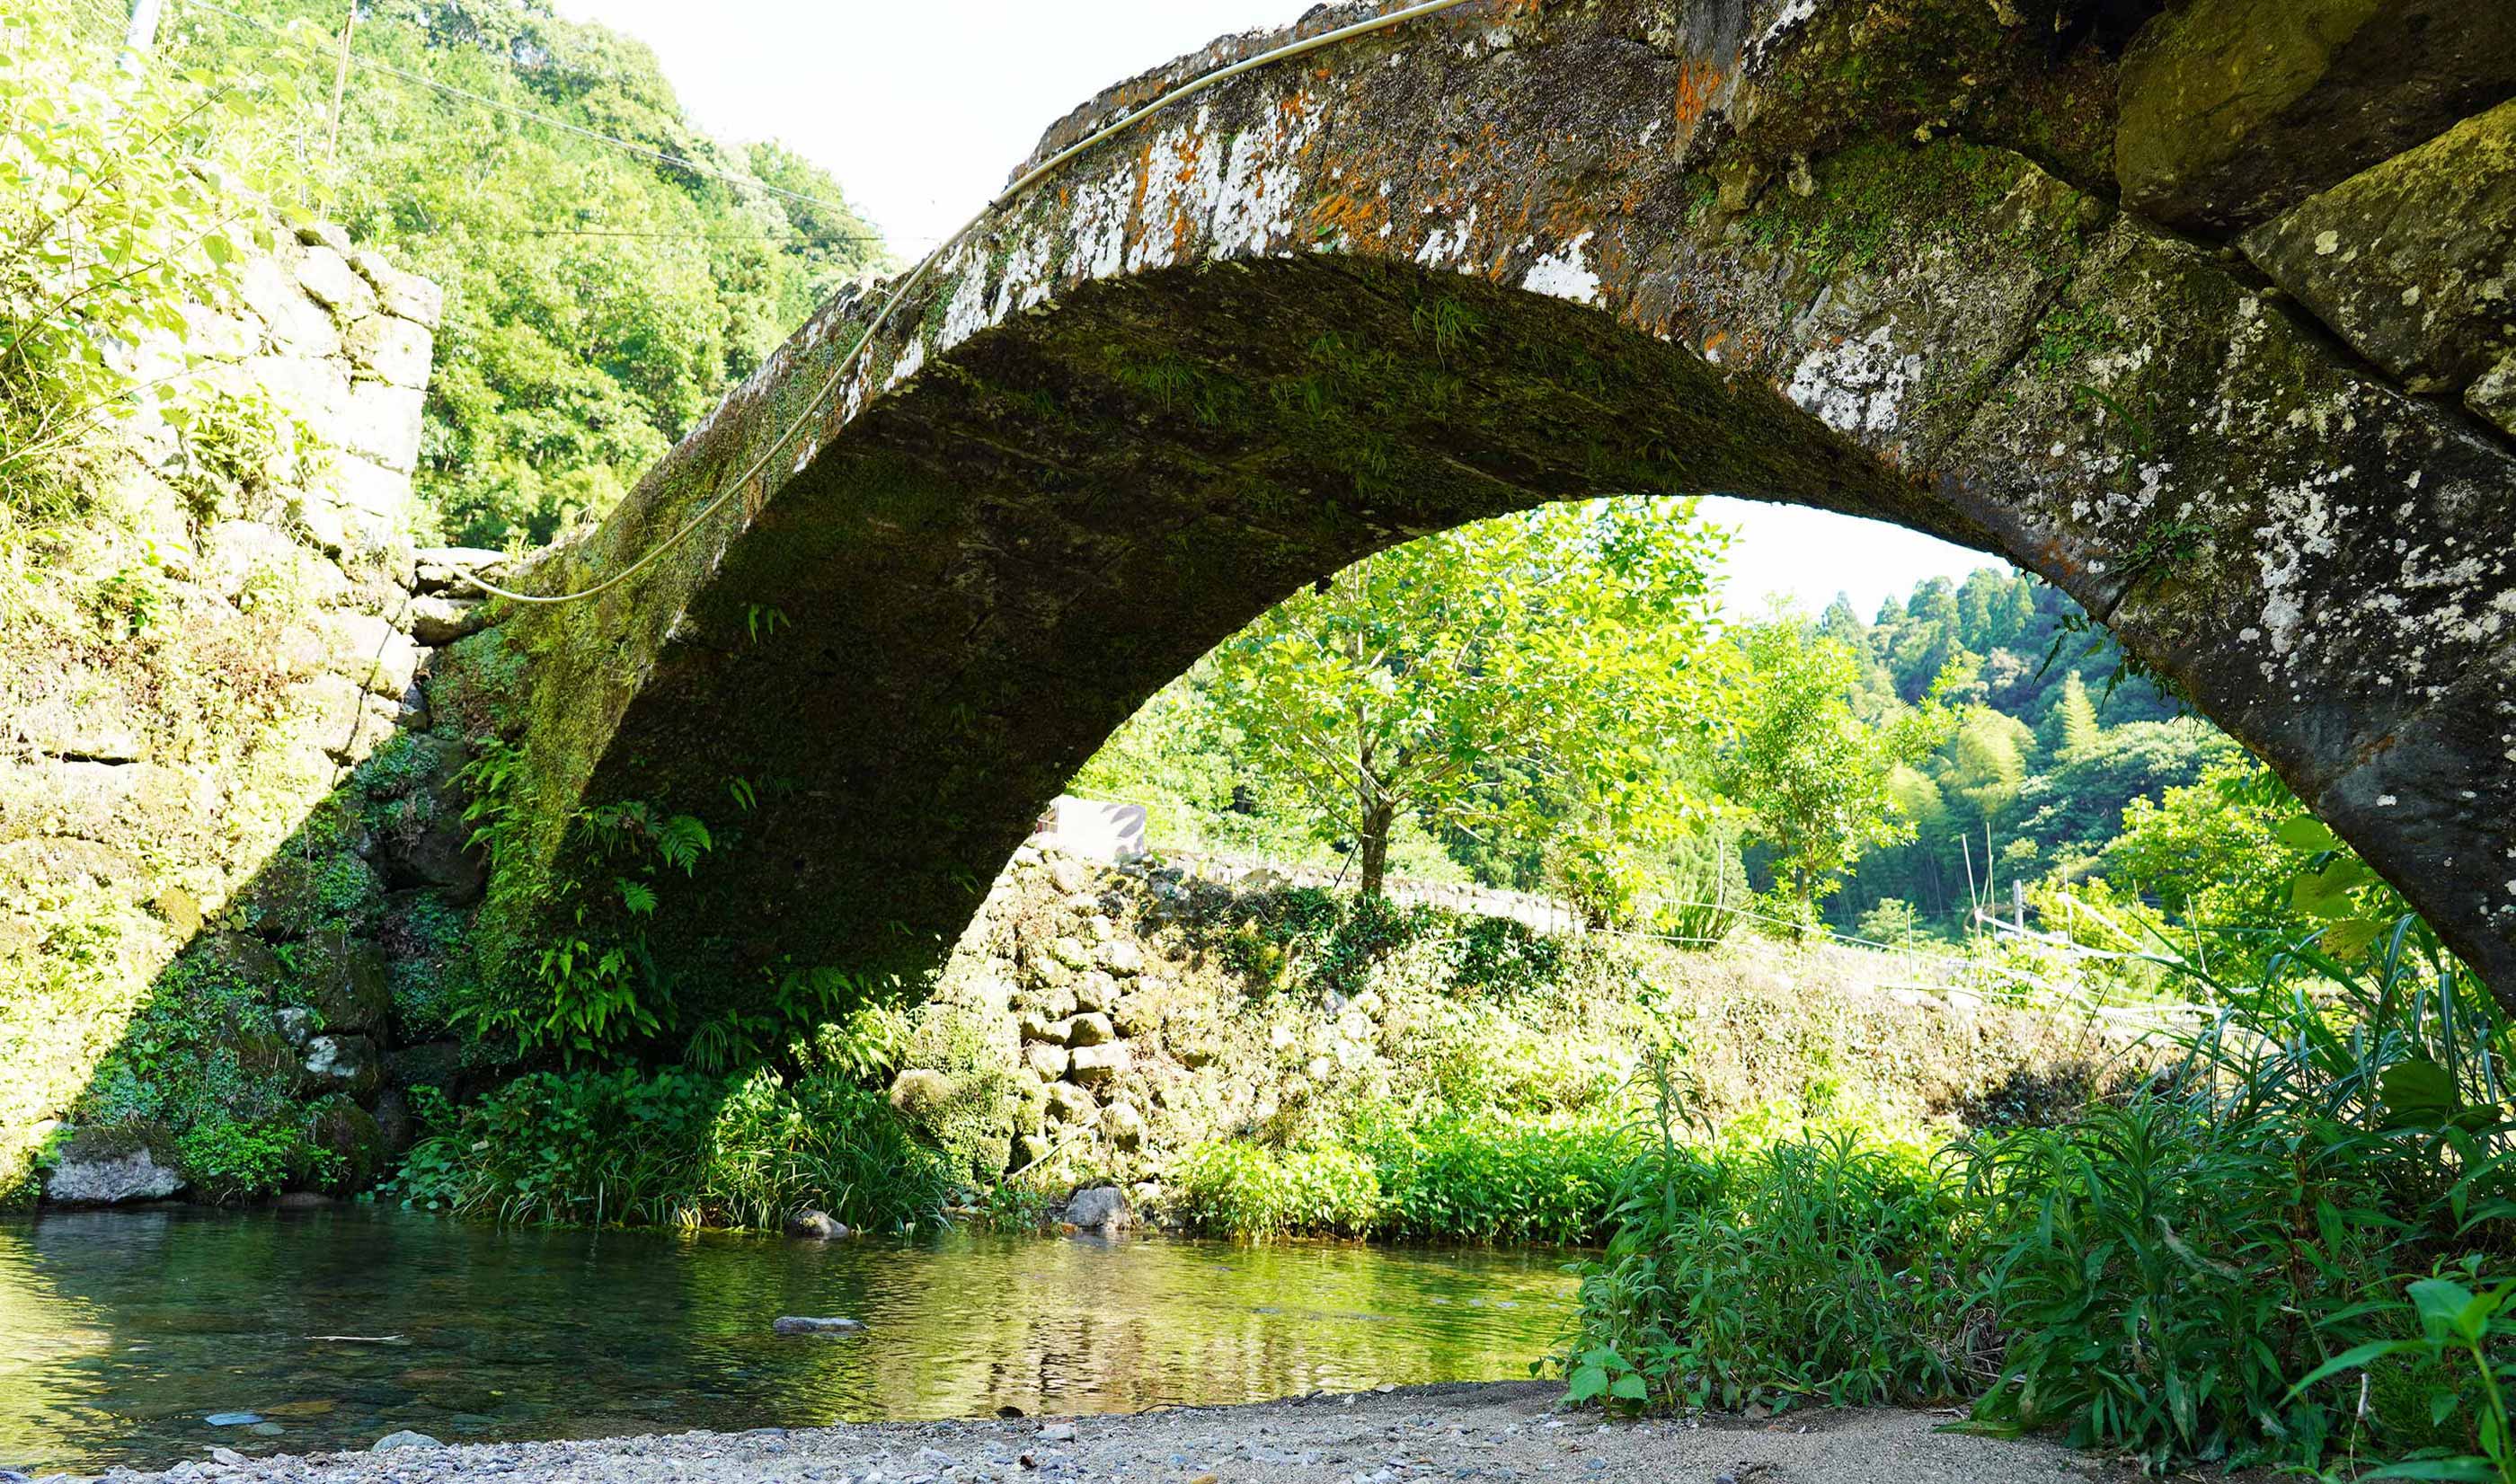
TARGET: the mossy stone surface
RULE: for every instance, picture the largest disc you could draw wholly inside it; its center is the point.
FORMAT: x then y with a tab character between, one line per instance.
2412	261
2233	110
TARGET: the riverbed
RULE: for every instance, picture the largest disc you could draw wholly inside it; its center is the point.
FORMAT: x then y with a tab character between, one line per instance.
123	1332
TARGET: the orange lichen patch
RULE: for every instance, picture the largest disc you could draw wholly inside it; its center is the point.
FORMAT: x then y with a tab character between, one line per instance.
1698	84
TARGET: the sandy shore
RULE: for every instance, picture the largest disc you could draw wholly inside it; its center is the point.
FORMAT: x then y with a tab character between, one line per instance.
1504	1432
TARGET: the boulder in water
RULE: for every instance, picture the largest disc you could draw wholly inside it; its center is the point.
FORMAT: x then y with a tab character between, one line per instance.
797	1324
1100	1208
816	1226
111	1164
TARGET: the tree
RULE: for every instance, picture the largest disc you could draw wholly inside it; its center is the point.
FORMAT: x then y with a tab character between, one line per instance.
1442	679
2076	732
127	195
1814	776
598	300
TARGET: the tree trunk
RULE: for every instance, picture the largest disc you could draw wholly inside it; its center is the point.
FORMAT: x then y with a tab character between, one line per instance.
1377	821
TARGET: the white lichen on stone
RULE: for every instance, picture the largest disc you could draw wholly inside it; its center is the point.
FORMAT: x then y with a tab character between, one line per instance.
1857	385
1564	274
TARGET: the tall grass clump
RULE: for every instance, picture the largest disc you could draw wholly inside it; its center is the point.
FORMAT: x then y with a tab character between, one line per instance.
2314	1186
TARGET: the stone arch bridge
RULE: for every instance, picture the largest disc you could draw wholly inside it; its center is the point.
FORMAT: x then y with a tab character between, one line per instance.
2209	335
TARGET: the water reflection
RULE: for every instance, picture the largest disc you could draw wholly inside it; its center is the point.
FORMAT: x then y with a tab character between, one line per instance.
119	1332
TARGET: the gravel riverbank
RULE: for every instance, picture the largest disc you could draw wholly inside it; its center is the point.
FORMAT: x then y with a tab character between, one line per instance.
1503	1432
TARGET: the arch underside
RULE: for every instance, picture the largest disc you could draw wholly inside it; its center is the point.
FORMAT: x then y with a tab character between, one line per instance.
1432	280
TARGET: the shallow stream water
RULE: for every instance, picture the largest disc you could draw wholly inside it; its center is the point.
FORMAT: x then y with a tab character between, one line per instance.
122	1333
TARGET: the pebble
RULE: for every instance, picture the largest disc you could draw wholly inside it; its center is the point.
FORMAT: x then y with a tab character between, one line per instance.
405	1438
232	1418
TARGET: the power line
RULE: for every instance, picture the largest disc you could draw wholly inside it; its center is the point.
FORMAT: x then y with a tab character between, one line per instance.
733	177
675	236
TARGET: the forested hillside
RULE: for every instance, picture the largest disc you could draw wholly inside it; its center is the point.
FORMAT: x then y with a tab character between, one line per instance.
609	269
1891	774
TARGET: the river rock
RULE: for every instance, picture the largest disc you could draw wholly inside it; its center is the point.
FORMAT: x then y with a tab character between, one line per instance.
1099	1208
2233	110
796	1324
812	1225
107	1165
405	1438
2412	261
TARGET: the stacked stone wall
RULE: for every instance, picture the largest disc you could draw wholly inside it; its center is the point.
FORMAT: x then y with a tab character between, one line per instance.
218	804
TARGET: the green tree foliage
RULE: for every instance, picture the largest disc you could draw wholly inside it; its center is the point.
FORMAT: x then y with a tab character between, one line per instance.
1813	772
599	299
1445	679
126	195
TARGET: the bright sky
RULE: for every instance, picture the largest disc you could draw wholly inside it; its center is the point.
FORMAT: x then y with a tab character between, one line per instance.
922	109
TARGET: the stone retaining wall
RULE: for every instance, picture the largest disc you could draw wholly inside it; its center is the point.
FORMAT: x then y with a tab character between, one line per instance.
208	832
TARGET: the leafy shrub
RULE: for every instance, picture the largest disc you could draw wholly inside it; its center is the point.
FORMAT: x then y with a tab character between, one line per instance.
1482	1181
1248	1191
675	1148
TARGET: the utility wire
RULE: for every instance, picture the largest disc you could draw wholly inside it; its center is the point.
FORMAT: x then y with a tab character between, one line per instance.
674	236
733	177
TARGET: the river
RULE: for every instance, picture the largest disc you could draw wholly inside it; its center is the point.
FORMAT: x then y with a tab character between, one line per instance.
121	1334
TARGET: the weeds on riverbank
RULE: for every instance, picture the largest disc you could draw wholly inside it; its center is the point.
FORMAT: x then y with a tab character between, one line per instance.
677	1149
2153	1275
1468	1179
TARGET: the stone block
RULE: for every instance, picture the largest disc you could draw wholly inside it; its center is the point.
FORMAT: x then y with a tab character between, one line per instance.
296	323
390	348
2412	261
405	296
381	422
327	278
317	390
342	979
322	234
1095	991
343	1064
1100	1065
1046	1062
2234	110
332	711
369	488
437	621
1090	1030
234	551
1072	1104
372	652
